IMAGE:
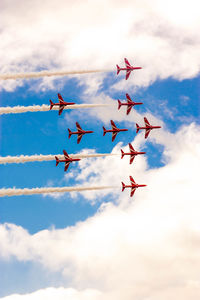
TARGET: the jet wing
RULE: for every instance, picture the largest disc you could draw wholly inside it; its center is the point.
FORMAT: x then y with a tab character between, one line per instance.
127	63
67	165
146	122
78	127
114	134
113	125
128	109
128	99
79	138
128	72
147	133
65	154
131	148
132	159
131	179
60	98
132	192
61	109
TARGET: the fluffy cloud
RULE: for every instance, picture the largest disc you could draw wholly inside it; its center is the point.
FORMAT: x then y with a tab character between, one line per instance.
163	37
59	293
147	248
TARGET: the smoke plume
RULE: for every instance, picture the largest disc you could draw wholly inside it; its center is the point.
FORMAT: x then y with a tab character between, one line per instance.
44	107
31	158
44	190
47	74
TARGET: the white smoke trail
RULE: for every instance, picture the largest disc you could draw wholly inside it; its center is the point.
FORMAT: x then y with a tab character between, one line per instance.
27	158
44	107
47	74
44	190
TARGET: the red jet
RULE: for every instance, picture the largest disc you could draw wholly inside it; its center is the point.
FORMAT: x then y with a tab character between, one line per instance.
67	160
129	103
133	186
61	104
114	130
132	153
128	68
80	132
147	127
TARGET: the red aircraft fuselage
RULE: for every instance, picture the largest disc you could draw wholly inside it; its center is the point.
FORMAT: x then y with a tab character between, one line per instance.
133	186
61	104
58	104
67	160
130	103
148	127
80	132
128	68
131	153
114	130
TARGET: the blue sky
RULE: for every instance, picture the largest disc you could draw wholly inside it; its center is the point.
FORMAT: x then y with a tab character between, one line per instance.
54	235
46	133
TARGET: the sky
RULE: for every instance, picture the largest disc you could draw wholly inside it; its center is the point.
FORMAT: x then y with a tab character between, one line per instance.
101	244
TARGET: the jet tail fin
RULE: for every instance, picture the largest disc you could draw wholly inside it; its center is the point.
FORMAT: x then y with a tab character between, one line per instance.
118	69
138	128
119	104
123	186
70	133
122	152
51	104
104	131
57	160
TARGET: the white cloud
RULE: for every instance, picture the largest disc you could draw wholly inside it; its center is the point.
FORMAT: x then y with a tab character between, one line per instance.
58	293
163	37
146	247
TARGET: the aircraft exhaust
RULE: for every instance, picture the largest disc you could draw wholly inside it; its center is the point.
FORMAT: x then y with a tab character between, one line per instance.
31	158
44	107
48	74
45	190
